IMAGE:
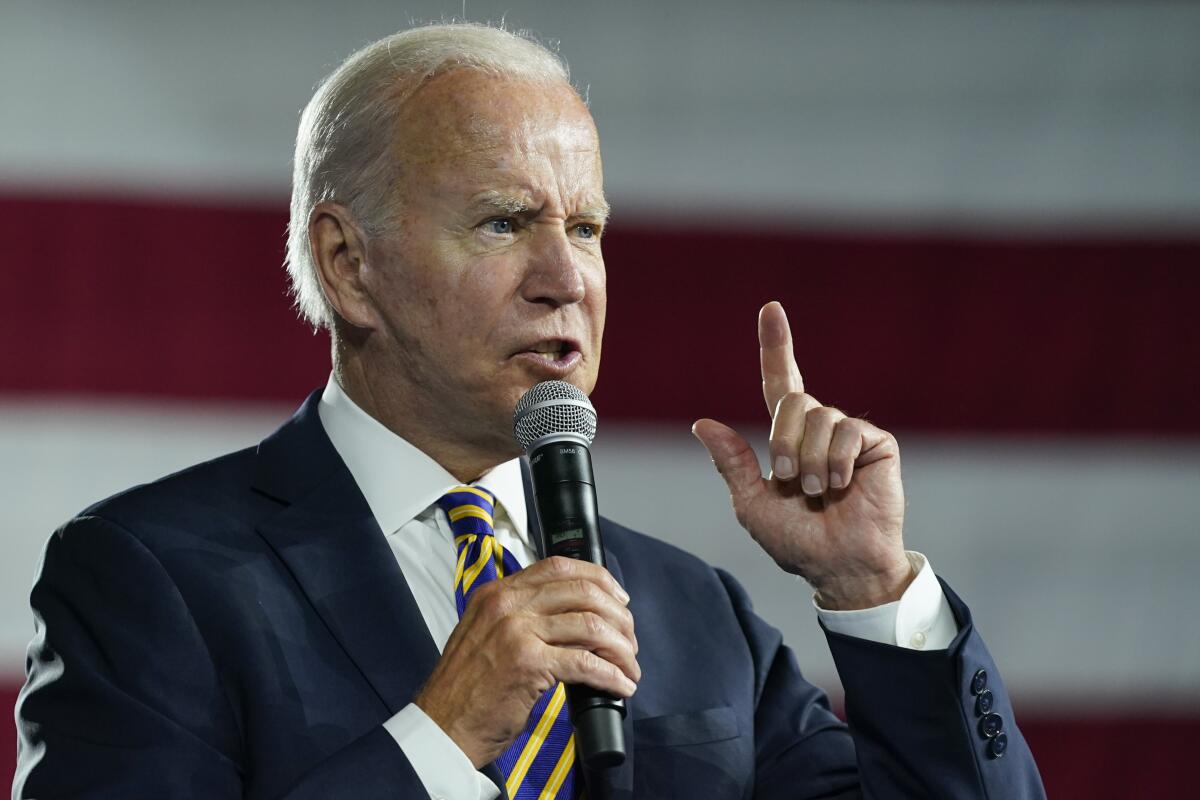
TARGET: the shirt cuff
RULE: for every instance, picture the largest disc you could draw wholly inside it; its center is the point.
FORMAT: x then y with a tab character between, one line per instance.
443	768
920	620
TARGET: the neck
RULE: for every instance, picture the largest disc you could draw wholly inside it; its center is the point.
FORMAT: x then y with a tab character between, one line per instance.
401	412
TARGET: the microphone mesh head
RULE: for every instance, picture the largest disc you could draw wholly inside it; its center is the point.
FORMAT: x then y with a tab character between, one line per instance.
553	408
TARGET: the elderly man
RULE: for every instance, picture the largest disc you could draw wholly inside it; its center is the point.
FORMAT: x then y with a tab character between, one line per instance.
308	618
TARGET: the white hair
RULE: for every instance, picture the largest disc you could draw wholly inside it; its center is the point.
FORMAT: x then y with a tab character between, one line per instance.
346	140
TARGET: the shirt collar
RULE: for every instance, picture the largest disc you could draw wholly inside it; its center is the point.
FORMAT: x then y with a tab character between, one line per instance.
398	480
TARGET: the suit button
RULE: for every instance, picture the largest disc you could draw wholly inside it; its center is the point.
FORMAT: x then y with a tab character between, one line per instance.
984	703
990	725
979	681
997	746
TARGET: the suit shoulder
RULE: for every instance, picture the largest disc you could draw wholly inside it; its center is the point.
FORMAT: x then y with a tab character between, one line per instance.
221	484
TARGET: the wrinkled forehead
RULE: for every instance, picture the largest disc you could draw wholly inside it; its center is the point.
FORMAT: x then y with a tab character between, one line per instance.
466	112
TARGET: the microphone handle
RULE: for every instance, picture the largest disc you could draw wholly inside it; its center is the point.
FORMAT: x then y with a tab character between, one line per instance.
564	491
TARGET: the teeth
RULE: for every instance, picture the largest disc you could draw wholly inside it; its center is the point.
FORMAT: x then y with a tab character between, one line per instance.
554	351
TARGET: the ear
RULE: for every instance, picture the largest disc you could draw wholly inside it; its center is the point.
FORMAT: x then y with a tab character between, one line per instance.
339	250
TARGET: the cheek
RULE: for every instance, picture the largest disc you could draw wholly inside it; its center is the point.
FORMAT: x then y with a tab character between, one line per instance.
488	287
418	292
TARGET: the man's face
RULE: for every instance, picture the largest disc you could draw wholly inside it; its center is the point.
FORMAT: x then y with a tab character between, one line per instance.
493	279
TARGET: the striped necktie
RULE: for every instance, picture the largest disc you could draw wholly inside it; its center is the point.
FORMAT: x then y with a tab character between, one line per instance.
540	764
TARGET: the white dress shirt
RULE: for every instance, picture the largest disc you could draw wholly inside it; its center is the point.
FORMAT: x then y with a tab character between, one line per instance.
402	486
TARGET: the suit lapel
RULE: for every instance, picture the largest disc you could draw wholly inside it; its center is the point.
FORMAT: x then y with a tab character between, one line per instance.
331	543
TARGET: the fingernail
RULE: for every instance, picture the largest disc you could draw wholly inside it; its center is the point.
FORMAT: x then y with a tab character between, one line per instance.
630	687
835	480
811	484
622	595
784	468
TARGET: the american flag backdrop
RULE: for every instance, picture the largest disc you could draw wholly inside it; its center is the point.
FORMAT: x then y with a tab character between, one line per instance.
983	219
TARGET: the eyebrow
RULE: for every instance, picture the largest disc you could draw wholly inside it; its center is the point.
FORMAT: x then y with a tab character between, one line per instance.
508	203
598	210
521	204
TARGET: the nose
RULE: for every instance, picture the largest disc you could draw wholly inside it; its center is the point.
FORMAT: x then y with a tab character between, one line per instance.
554	277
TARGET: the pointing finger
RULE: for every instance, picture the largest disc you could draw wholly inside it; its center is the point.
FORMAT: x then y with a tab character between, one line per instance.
780	374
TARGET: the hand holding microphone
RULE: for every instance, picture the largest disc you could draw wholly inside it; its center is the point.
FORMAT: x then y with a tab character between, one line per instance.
560	619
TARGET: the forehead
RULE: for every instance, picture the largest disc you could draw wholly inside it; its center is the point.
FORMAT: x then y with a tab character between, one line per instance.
472	121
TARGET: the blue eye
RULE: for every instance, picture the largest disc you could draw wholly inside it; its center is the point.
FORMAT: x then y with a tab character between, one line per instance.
586	231
499	226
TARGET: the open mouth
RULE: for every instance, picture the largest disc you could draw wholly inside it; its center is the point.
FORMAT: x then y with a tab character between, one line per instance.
556	354
552	349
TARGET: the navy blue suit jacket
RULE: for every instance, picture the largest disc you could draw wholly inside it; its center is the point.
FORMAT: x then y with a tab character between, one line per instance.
241	629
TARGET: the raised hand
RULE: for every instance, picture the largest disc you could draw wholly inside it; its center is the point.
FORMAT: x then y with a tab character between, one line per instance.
557	620
833	508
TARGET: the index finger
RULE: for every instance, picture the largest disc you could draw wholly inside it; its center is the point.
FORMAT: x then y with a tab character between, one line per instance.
560	568
779	371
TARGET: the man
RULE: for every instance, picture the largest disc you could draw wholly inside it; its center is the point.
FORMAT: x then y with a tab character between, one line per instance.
285	621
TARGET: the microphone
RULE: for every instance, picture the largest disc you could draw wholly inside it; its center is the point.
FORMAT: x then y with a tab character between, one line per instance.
555	424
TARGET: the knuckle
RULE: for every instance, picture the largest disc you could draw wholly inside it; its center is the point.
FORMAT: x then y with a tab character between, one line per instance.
814	448
587	590
559	565
822	415
793	399
493	601
783	442
594	624
840	450
587	661
845	426
526	661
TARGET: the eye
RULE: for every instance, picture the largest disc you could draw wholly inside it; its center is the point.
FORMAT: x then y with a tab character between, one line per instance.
587	230
501	226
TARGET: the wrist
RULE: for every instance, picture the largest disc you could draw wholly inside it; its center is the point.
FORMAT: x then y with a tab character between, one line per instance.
854	592
446	719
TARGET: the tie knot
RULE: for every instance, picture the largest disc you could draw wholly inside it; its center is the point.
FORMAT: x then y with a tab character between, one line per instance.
470	510
481	558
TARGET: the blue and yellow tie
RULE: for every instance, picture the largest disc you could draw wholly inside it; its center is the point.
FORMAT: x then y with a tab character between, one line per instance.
540	764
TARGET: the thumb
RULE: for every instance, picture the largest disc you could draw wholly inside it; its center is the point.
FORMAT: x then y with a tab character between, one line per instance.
732	455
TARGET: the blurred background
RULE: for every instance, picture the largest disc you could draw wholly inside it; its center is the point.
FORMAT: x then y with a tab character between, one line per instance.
983	218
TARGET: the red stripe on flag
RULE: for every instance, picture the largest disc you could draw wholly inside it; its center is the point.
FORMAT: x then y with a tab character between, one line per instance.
931	332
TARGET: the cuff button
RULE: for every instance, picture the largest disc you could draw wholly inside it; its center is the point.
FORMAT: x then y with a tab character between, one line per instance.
997	746
985	702
990	726
979	681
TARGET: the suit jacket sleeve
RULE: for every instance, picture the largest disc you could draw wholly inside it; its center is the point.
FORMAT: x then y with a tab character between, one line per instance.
122	698
914	732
